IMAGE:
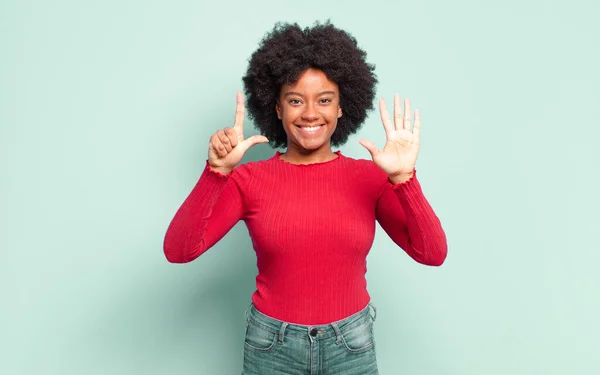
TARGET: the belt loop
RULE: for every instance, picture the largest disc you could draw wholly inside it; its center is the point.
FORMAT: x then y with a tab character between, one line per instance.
338	333
282	332
374	316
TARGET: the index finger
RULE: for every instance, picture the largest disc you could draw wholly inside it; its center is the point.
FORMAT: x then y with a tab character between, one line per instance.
239	114
385	118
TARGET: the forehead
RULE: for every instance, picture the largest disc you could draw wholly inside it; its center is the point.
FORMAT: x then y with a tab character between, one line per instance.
311	80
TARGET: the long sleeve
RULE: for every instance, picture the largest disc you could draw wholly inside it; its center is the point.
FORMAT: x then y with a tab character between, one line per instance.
311	227
211	209
408	218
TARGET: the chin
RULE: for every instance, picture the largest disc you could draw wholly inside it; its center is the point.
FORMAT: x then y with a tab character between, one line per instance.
316	147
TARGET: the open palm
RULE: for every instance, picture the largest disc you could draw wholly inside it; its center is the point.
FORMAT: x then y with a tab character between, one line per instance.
399	154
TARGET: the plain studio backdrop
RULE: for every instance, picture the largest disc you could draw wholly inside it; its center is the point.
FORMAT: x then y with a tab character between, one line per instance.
106	109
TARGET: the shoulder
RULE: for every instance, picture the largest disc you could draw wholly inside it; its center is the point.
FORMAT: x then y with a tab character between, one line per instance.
367	174
365	167
243	172
253	166
246	172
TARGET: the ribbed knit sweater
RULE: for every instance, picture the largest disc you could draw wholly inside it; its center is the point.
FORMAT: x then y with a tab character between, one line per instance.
311	225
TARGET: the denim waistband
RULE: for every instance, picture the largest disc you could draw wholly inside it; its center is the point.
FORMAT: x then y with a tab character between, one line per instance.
316	332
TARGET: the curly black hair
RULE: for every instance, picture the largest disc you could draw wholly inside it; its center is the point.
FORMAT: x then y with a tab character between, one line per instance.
286	52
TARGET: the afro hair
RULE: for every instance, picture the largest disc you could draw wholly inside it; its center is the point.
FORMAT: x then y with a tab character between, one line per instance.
286	52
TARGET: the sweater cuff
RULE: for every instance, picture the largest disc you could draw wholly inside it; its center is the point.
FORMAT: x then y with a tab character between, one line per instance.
210	171
211	182
411	180
409	188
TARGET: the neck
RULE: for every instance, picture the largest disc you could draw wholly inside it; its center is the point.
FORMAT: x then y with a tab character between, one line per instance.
295	155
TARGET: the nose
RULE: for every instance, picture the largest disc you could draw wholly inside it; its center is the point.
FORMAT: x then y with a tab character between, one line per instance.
310	113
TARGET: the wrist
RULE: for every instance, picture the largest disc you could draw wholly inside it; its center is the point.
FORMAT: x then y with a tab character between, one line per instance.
221	170
401	177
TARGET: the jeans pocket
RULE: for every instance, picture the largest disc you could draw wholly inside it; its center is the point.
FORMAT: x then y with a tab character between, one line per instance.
258	338
359	338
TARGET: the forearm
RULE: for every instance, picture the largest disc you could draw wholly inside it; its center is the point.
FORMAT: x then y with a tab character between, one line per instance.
187	236
426	238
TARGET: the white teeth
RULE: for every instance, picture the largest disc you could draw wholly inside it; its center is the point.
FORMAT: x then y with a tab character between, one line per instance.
311	129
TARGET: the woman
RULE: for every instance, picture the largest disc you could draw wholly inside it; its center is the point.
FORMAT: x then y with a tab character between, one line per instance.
310	211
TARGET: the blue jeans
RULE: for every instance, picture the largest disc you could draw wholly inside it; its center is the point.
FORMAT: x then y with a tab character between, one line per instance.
344	347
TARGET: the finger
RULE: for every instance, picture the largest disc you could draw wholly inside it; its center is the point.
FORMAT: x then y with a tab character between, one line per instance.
221	150
417	127
385	118
370	146
397	112
224	140
252	141
407	114
218	146
232	135
239	114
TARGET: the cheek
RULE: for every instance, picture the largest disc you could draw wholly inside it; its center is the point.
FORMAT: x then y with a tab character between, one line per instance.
288	115
334	115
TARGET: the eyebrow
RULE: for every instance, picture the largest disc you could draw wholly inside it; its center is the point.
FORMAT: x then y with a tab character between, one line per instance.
298	94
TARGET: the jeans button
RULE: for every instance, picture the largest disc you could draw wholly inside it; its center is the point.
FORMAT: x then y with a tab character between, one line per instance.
313	332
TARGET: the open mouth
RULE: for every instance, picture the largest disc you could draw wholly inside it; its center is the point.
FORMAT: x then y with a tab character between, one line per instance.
310	130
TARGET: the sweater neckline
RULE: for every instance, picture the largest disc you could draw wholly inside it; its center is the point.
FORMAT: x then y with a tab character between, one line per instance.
278	159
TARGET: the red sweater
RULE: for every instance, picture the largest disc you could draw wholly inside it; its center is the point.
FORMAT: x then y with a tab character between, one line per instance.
311	225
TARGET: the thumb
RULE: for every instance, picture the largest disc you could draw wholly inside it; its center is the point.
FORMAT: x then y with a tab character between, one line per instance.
370	146
254	140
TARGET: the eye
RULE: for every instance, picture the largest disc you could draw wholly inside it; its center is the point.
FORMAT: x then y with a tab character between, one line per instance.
294	101
325	100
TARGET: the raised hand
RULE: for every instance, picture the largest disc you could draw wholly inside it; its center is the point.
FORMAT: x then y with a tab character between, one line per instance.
228	146
399	154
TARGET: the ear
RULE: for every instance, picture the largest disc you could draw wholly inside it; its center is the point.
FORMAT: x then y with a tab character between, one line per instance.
339	112
278	109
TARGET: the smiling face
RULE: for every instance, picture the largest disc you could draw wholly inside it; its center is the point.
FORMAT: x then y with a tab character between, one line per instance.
309	110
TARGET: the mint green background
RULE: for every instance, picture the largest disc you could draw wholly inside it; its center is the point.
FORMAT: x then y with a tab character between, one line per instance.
106	109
